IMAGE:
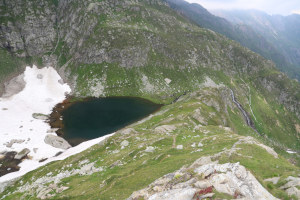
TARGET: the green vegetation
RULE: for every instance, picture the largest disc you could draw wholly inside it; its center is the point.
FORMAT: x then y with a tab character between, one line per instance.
119	181
149	51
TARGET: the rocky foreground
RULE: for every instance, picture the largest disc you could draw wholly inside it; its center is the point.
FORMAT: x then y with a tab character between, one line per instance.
202	180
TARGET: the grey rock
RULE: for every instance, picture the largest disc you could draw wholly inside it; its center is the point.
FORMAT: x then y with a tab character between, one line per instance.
150	149
124	143
39	76
117	163
202	184
274	180
200	144
22	154
209	195
165	129
40	116
13	141
291	185
225	178
293	191
57	142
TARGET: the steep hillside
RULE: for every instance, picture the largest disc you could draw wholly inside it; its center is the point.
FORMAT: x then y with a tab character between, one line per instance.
236	27
216	92
177	135
282	32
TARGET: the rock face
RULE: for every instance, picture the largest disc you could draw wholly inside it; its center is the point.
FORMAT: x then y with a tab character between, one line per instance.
36	34
62	33
57	142
229	178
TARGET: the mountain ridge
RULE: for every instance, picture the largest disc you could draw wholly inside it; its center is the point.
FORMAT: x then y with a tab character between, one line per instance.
146	49
244	33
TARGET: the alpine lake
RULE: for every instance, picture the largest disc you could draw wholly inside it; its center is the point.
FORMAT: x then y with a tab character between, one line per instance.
85	119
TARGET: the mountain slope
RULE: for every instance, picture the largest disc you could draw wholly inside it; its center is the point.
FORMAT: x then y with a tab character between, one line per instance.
282	32
110	170
244	32
135	48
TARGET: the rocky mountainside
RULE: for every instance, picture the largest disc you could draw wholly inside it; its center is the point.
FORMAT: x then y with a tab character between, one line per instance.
211	85
282	32
252	31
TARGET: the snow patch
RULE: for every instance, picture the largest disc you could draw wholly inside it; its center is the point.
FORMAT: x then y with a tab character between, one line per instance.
17	120
43	90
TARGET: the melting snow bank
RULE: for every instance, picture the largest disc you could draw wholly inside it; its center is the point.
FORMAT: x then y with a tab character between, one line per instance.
20	129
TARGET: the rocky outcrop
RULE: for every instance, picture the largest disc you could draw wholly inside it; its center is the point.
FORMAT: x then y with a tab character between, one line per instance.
165	129
273	180
200	180
57	142
32	32
292	186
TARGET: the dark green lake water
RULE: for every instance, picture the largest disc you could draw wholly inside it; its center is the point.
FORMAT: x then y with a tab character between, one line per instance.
94	118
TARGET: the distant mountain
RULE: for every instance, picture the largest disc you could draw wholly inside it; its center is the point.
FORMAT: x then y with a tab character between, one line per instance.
250	33
283	32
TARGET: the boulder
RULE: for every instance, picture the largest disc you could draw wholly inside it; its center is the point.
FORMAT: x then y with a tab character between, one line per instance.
22	154
293	191
168	81
150	149
57	142
125	143
40	116
200	144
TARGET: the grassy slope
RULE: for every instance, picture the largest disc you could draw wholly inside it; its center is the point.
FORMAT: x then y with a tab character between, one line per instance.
120	181
222	60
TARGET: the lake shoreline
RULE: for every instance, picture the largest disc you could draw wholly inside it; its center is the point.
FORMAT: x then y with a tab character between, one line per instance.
56	118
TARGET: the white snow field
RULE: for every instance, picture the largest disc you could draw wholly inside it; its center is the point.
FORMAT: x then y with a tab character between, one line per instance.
43	90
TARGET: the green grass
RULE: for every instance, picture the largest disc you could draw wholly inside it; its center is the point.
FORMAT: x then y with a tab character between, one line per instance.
120	181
